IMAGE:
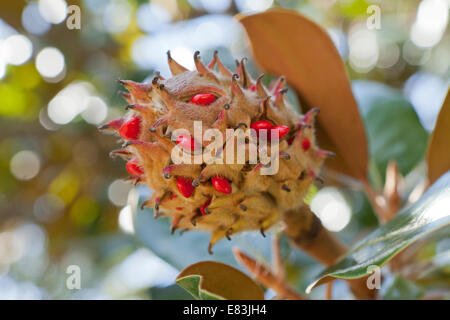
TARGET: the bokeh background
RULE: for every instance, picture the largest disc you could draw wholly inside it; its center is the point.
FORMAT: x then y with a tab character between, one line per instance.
63	201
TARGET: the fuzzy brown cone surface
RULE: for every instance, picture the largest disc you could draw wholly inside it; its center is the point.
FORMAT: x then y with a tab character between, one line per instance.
220	198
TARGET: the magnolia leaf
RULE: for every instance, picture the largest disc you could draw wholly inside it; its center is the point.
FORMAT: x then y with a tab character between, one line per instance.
399	288
393	128
212	280
430	213
438	155
286	43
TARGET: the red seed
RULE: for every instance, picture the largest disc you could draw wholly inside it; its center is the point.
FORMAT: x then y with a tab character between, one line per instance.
252	87
134	168
188	143
204	206
184	185
172	196
261	125
130	129
203	98
221	184
306	144
282	130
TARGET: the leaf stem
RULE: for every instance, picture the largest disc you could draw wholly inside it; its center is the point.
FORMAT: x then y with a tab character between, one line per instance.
264	275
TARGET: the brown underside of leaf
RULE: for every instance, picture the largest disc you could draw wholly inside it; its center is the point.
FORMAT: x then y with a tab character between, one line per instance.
223	280
438	155
286	43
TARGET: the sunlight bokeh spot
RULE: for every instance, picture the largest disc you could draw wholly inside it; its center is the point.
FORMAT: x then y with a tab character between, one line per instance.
25	165
332	209
16	49
50	62
53	11
118	192
430	24
126	219
96	110
33	21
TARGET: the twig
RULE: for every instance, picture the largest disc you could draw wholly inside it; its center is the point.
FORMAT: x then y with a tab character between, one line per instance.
264	275
329	291
278	265
386	204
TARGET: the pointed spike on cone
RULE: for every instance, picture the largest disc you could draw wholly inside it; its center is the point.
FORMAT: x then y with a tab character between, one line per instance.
244	76
120	152
279	97
136	107
175	222
193	219
144	204
309	116
277	86
325	154
163	93
236	88
175	67
112	125
237	70
198	63
158	75
262	232
126	96
212	64
151	149
221	122
260	89
222	69
140	91
158	214
216	235
265	105
202	69
210	245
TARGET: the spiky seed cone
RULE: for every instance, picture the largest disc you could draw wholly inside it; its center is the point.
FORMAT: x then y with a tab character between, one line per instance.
227	198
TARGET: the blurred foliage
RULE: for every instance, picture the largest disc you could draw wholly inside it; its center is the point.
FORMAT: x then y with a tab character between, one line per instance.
66	213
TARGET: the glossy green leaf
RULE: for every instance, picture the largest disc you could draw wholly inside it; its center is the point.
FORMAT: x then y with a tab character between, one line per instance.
400	288
183	250
192	285
212	280
430	213
172	292
393	128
